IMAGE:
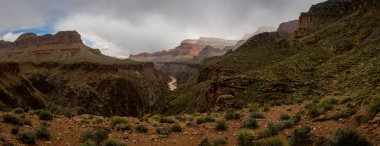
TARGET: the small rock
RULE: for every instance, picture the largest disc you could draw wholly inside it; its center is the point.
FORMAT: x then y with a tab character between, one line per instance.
134	141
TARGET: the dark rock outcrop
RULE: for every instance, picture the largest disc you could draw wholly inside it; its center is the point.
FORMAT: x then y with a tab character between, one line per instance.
287	29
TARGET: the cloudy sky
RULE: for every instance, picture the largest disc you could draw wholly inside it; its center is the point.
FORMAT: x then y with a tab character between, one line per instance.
122	27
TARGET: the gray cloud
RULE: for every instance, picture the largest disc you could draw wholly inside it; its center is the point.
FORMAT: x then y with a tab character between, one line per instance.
120	27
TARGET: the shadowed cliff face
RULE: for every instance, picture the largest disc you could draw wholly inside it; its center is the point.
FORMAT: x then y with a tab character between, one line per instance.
60	73
336	57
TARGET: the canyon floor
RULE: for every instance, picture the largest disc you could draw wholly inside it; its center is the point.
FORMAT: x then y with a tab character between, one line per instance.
68	131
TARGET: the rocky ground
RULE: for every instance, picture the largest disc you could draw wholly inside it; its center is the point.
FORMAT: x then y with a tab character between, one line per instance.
68	131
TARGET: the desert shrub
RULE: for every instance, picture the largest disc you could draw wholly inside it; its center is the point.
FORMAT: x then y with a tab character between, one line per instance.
7	118
191	124
15	130
176	128
163	130
45	115
250	123
43	132
272	141
99	119
97	135
27	138
205	120
284	116
26	122
284	125
232	115
266	107
114	142
295	119
122	127
327	104
345	100
374	105
272	129
322	141
220	125
350	137
166	120
141	128
219	142
299	134
245	138
312	110
257	115
156	116
18	111
88	143
343	113
204	142
180	118
119	120
253	107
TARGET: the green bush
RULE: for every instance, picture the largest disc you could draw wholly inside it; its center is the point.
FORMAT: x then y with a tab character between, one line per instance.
119	120
219	142
180	118
299	134
345	100
99	120
350	137
97	135
273	141
15	130
245	138
114	142
312	110
273	129
295	119
7	118
205	120
166	120
43	132
88	143
232	116
141	128
163	130
220	125
45	115
284	116
343	113
176	128
27	138
122	127
253	107
18	111
257	115
250	123
374	105
26	122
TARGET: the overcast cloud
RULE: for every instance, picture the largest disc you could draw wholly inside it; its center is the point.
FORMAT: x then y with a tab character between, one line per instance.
121	27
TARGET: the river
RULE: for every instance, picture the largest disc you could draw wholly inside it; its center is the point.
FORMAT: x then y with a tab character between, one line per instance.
173	83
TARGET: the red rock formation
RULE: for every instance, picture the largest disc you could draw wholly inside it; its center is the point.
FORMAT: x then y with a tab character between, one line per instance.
190	47
28	39
287	29
325	13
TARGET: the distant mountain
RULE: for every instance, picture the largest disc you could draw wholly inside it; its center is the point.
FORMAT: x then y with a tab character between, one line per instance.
62	74
259	30
186	51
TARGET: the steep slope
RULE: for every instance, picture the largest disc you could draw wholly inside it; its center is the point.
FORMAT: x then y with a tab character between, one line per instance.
60	73
335	53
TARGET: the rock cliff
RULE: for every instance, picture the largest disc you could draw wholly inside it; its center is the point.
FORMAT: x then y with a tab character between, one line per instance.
62	74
